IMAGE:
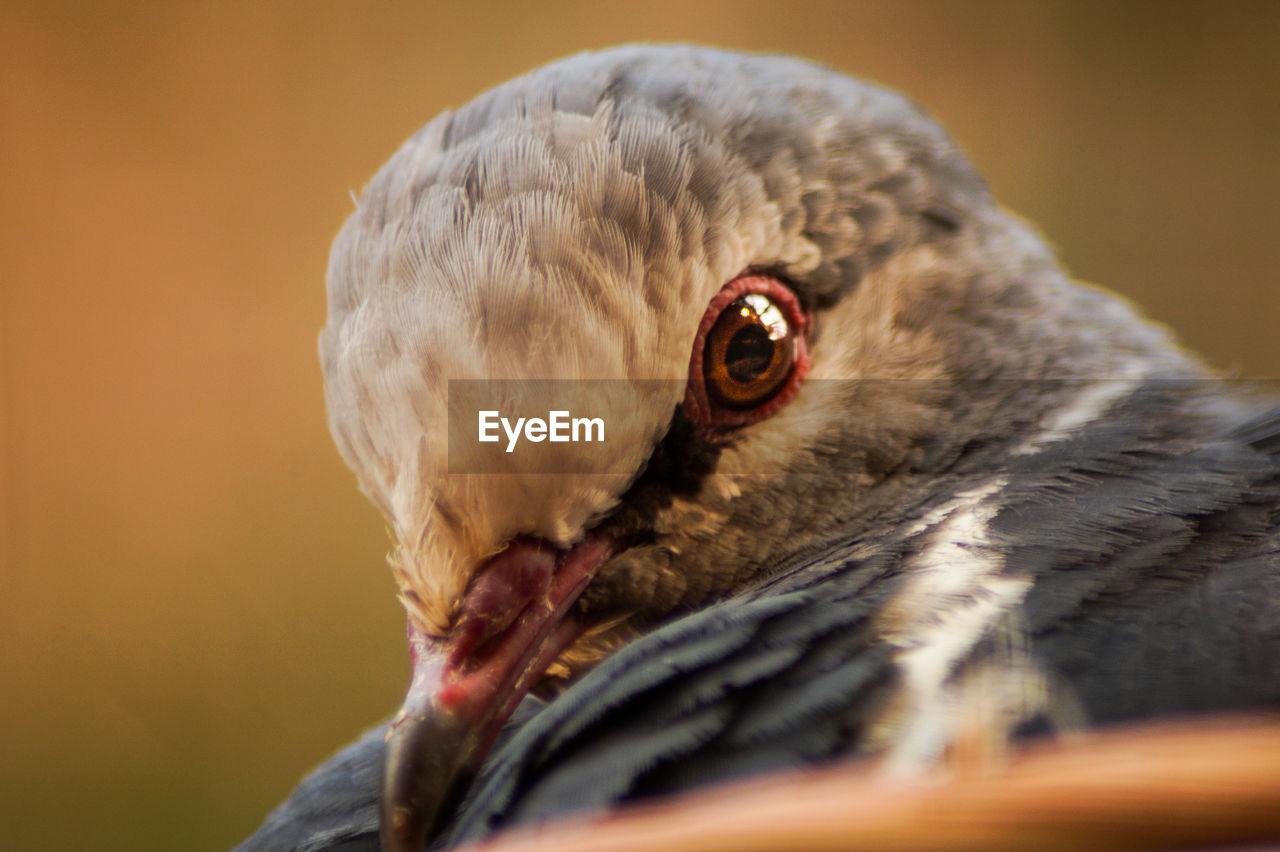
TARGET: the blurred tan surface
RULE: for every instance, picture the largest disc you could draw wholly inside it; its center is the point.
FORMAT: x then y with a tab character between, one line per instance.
194	607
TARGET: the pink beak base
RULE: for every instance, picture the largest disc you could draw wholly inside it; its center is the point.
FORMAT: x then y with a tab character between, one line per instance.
514	622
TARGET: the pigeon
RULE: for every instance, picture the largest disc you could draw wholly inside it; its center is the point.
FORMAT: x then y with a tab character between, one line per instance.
873	476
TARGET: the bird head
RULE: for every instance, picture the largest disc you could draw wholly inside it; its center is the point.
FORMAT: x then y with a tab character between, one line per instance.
783	292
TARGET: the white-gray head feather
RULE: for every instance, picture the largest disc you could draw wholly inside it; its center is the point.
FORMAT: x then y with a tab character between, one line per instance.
574	223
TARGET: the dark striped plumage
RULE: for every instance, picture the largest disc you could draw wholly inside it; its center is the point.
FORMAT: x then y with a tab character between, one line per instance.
1159	594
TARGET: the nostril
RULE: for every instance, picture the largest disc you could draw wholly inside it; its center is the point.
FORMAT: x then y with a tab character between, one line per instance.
502	588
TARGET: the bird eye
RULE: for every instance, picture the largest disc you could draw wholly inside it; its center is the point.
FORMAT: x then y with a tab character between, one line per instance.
749	356
749	352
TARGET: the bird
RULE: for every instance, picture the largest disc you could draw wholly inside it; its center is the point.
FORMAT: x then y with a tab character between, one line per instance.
876	479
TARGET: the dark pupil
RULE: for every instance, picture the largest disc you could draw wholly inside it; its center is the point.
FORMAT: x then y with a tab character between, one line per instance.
748	354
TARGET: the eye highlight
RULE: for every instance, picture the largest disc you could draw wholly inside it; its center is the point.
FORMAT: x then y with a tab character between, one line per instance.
750	354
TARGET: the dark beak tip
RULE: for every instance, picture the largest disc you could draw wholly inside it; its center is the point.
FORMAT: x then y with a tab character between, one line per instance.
428	769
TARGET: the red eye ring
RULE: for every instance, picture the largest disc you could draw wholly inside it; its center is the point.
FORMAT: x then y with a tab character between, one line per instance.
713	418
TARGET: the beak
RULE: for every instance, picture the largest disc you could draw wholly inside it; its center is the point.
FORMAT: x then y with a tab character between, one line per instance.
514	621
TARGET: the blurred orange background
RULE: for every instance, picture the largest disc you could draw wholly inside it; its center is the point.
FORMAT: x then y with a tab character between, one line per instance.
194	607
